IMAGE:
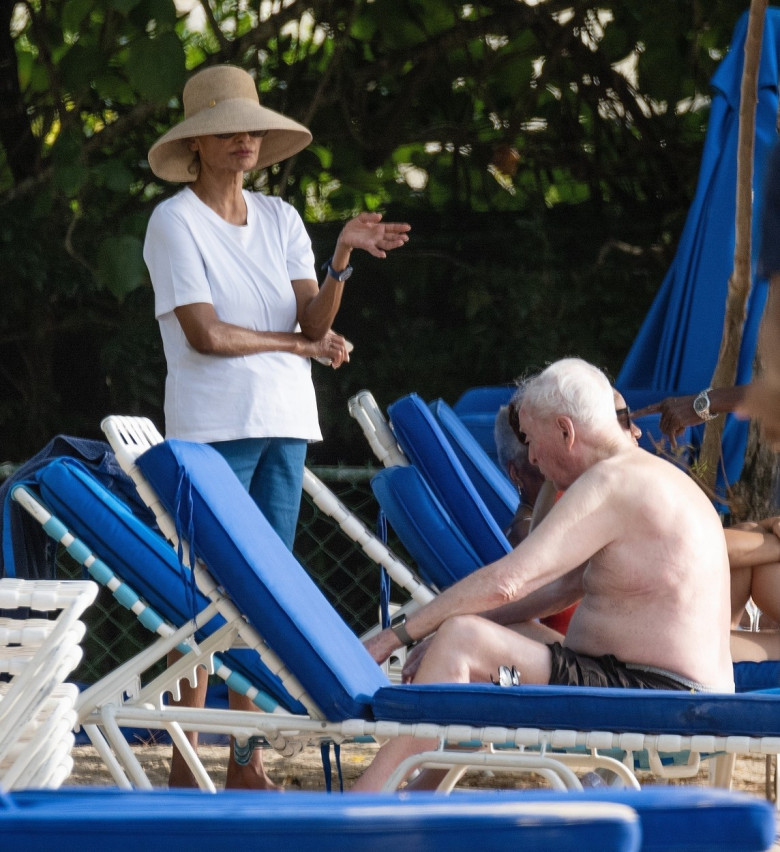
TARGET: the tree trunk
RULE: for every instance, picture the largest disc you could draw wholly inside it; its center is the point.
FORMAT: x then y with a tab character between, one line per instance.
740	280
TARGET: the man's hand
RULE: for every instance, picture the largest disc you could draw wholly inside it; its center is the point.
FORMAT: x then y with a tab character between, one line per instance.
381	645
676	413
367	231
413	660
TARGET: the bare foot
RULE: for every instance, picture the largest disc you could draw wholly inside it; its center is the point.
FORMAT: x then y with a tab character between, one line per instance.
249	777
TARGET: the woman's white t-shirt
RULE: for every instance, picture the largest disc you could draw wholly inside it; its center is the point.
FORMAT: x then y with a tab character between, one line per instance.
194	255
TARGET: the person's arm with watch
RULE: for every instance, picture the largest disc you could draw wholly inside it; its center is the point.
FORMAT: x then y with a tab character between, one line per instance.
512	577
381	645
677	412
318	306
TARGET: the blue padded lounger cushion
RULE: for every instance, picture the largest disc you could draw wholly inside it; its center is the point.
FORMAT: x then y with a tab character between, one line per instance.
492	484
229	533
143	559
168	821
750	676
648	711
684	819
477	409
703	819
423	441
482	426
483	399
434	542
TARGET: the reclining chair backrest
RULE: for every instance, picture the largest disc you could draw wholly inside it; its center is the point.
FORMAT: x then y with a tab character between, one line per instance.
492	484
142	559
437	546
225	529
423	441
477	408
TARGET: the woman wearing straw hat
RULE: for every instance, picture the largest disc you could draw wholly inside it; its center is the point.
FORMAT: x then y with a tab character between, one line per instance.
240	311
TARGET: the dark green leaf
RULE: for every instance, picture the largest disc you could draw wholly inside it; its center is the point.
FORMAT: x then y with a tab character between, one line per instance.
156	67
120	265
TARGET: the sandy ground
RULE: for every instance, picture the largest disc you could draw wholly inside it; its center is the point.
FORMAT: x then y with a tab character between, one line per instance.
305	772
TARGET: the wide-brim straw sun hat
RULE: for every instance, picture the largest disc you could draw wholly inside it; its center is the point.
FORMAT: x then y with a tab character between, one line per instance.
223	99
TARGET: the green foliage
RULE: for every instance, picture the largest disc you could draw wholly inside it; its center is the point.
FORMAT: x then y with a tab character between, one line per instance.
155	67
506	133
120	266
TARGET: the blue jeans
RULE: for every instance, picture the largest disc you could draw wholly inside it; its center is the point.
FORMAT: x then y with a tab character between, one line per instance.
271	470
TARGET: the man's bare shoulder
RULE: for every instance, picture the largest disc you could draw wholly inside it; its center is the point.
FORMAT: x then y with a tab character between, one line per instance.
638	478
656	489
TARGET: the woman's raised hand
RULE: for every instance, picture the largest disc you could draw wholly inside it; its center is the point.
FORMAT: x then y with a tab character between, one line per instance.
367	231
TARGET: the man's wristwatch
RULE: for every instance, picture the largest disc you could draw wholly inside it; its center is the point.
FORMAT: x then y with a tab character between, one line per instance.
338	276
701	405
398	626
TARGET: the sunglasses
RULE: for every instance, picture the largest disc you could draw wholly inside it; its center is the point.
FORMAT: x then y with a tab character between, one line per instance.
623	416
255	134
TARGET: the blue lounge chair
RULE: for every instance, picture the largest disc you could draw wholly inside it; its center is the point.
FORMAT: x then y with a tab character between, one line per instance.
427	447
661	820
347	695
477	408
492	484
144	574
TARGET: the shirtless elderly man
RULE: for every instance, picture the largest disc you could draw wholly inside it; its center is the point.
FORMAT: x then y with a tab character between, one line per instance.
633	537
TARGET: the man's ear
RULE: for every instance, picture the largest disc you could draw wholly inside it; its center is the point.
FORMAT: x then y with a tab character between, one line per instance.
565	427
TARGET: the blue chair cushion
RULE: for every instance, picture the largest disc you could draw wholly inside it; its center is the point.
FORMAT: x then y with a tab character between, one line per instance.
701	819
583	708
229	533
484	399
160	821
477	408
492	484
683	819
482	425
434	542
141	558
749	676
423	441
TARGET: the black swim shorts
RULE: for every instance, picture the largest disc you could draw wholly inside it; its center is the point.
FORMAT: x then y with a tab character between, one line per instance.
572	669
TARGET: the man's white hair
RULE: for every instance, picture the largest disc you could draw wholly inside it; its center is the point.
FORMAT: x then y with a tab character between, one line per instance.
571	387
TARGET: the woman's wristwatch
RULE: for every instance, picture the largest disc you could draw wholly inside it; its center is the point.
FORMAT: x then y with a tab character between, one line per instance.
337	276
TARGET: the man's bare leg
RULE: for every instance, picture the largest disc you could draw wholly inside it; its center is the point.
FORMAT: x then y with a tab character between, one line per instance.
465	649
252	776
191	696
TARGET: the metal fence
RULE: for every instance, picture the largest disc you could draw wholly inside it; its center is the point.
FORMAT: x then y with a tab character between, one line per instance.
347	577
